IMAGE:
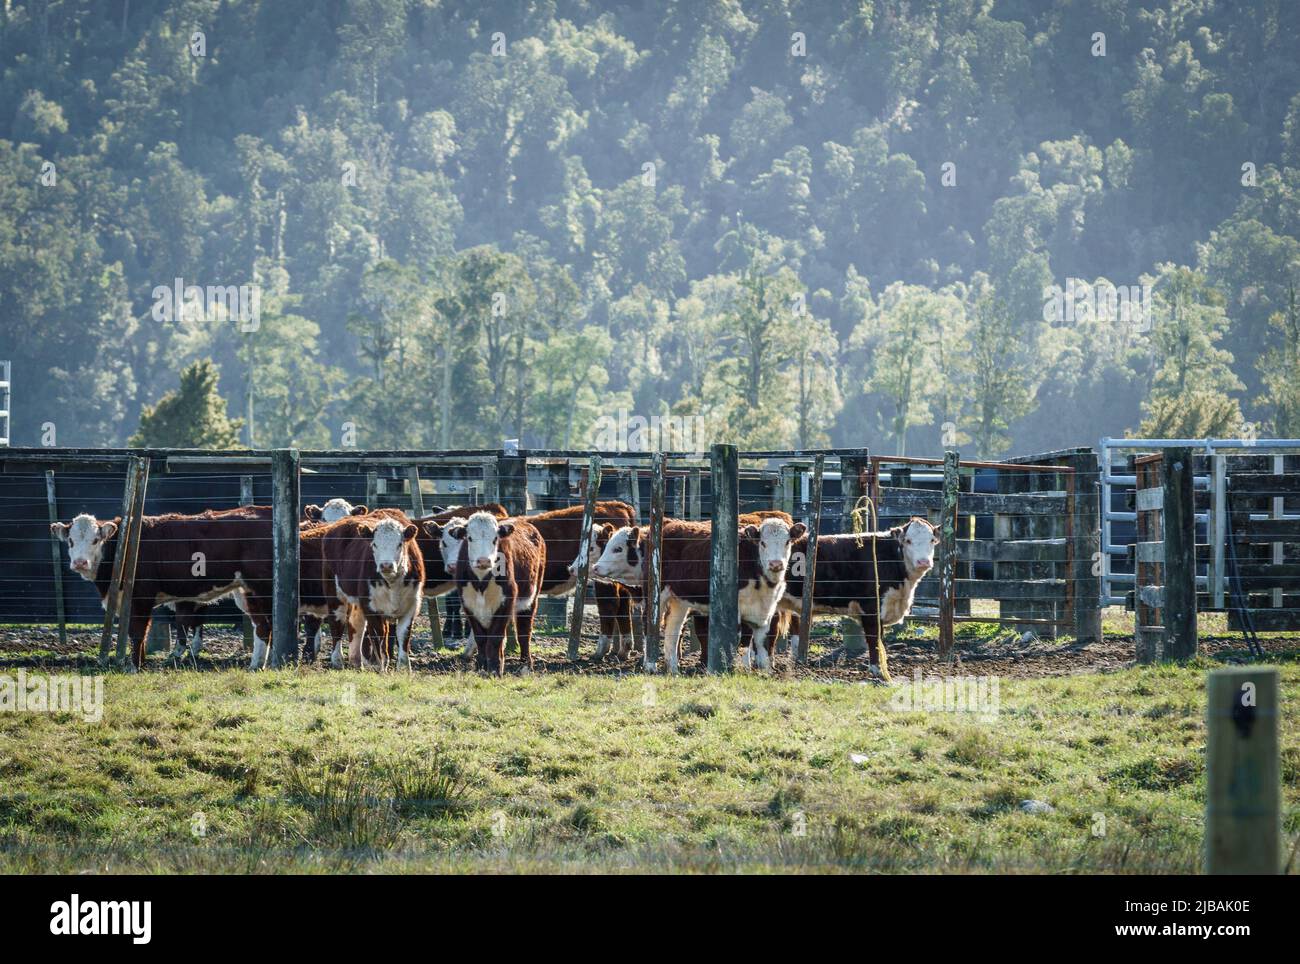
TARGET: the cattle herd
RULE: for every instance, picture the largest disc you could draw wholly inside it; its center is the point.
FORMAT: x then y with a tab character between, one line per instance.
365	573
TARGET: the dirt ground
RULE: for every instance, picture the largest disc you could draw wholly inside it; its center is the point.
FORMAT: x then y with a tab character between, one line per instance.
981	649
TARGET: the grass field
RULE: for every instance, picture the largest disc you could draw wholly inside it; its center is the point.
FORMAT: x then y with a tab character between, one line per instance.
318	770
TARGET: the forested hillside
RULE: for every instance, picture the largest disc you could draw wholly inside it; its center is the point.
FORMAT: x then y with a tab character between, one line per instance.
809	222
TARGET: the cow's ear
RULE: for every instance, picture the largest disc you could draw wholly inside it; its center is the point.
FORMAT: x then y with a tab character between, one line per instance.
107	530
359	510
60	530
456	532
433	530
604	529
750	532
897	532
505	528
312	513
634	534
410	532
797	530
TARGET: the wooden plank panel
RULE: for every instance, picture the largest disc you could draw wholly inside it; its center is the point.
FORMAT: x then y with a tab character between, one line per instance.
1024	550
1049	590
1268	530
1264	483
1150	500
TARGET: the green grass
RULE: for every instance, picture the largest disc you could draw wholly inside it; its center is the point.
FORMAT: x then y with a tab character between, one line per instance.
315	770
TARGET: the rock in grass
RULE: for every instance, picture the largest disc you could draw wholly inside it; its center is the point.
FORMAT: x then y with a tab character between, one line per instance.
858	759
1036	806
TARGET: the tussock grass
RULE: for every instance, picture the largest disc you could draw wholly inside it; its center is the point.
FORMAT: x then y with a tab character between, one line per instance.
319	771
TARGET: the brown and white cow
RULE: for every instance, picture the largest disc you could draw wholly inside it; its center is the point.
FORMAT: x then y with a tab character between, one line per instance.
561	530
848	583
377	571
199	558
764	554
499	572
332	511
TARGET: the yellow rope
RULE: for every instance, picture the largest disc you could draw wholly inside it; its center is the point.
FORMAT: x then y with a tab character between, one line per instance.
864	510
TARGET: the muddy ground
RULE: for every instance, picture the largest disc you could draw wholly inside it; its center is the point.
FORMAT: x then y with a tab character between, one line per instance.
981	650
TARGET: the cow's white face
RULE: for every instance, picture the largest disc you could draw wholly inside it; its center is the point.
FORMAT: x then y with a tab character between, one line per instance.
621	560
483	534
918	539
599	533
335	509
448	544
388	545
773	538
85	538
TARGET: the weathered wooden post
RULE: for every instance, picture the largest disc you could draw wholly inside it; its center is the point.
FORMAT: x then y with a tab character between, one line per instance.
584	556
948	553
655	569
799	653
285	489
553	610
724	571
1083	508
57	557
853	471
1243	782
1179	603
115	579
697	486
129	545
417	511
246	498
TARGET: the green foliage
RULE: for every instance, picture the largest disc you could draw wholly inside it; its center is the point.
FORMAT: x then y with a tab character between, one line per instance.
647	185
191	417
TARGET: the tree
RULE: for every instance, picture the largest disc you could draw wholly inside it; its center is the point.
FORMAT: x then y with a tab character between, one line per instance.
1002	380
1279	367
1192	373
191	417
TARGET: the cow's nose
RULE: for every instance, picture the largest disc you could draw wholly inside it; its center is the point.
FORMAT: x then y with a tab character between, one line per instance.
80	564
481	562
776	565
387	566
925	564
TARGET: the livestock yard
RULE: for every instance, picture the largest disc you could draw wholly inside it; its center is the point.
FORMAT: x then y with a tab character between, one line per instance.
1042	706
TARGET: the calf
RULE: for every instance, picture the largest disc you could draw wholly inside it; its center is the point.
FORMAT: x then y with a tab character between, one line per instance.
375	566
499	574
764	553
182	558
849	582
440	567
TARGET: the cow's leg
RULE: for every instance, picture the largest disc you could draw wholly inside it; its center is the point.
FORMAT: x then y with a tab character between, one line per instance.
758	642
743	644
676	613
875	646
524	633
492	644
312	626
454	627
259	651
356	635
701	623
138	631
623	621
404	627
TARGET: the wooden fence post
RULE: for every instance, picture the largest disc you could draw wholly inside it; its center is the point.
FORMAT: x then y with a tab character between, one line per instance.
285	491
654	561
430	603
130	548
724	603
1179	603
115	580
246	498
53	505
697	485
584	556
1243	783
799	654
1084	543
948	553
852	471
